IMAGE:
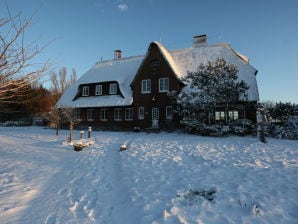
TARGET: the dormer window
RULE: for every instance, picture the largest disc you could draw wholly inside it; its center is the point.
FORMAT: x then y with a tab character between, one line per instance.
98	90
85	91
113	88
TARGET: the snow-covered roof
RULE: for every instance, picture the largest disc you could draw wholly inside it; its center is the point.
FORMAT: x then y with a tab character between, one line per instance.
189	60
181	61
121	70
168	57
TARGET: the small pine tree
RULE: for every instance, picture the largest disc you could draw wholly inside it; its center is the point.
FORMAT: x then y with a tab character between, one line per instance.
214	83
282	111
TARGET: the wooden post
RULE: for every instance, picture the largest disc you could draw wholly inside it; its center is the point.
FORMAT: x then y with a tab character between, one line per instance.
81	134
89	132
261	125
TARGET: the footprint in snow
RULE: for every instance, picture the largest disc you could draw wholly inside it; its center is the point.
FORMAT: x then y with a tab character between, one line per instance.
62	191
51	219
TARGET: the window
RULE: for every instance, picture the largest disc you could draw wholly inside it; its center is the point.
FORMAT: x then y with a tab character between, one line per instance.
90	115
154	63
103	114
146	86
128	114
85	91
141	113
233	115
98	90
169	112
113	88
219	115
163	85
117	114
78	114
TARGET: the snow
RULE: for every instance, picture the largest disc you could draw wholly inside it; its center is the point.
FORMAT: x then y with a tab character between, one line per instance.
189	60
122	71
181	61
160	178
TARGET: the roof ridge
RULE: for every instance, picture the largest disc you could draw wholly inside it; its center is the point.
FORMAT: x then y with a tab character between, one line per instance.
120	59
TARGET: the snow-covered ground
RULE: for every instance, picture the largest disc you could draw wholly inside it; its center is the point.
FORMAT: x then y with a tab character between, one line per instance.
160	178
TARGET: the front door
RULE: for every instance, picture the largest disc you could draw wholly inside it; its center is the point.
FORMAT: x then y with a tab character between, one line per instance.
155	117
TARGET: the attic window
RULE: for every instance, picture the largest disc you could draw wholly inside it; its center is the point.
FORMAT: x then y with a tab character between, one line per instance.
98	90
154	63
113	88
85	91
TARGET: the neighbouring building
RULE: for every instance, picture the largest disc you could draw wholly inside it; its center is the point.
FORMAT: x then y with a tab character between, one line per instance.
124	93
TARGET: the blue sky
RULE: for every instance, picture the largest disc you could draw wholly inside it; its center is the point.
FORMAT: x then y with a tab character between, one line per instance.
83	32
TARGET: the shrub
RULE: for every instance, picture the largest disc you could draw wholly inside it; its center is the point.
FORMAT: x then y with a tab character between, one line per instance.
288	132
239	127
242	127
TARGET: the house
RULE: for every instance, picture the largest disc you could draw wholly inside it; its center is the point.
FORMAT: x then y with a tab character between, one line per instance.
123	93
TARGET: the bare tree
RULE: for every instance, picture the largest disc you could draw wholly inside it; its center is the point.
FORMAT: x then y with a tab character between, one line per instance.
16	66
63	115
55	116
61	82
71	117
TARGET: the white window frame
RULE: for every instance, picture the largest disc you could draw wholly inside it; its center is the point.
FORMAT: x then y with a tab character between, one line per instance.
169	115
233	115
163	84
113	89
118	114
104	114
141	113
85	91
90	116
219	115
146	86
128	114
98	90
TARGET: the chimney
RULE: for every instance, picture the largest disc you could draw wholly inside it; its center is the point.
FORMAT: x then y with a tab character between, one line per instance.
199	40
117	54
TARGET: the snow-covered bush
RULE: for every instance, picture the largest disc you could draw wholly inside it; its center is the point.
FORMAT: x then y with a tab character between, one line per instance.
14	123
285	132
242	127
193	126
282	131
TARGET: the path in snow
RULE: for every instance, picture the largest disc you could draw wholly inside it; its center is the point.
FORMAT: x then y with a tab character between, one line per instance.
94	191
